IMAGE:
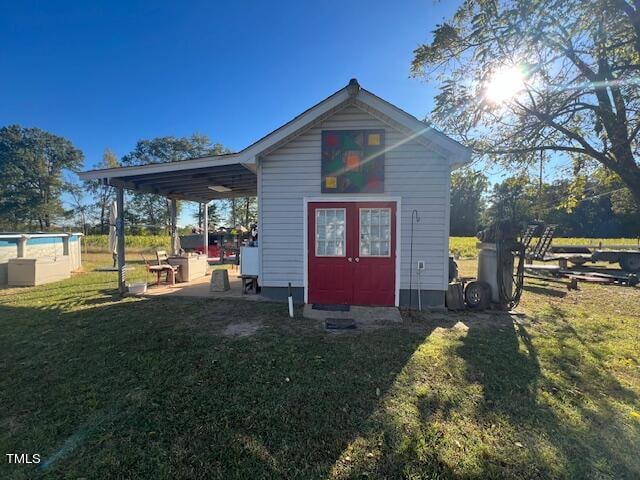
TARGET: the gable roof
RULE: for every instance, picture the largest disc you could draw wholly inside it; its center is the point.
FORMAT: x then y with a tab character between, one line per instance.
456	153
452	151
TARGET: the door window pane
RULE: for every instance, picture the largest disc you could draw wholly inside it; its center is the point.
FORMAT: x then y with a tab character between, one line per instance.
330	232
375	232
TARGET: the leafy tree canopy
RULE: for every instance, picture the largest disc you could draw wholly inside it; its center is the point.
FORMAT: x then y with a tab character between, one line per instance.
172	149
32	162
102	193
594	211
519	77
151	212
467	201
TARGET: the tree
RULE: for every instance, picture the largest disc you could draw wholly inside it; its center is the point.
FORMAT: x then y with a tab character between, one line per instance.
32	163
467	201
102	193
242	211
600	206
213	211
80	208
215	214
511	200
583	206
524	76
152	211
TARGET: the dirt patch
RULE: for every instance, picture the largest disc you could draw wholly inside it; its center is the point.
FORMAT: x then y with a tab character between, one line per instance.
242	329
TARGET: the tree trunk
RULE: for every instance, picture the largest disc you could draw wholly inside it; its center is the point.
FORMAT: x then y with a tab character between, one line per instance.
233	212
102	229
627	169
632	180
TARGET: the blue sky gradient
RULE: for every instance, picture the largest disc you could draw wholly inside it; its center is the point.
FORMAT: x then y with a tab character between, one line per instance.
105	74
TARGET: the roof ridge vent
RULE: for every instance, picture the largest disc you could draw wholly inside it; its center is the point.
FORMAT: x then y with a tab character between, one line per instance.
353	87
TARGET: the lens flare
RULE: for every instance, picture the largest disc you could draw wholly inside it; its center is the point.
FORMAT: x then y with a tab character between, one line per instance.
504	84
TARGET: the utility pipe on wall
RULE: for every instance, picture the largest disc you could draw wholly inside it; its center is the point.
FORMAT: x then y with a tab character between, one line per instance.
290	301
419	292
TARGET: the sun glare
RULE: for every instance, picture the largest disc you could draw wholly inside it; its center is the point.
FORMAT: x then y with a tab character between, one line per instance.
505	83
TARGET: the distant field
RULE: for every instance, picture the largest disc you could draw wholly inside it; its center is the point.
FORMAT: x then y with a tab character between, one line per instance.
100	242
463	247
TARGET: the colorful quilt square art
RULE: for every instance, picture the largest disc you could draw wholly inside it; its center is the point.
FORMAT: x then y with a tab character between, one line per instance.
353	161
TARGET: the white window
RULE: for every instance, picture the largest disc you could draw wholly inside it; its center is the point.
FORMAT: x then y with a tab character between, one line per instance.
375	232
330	232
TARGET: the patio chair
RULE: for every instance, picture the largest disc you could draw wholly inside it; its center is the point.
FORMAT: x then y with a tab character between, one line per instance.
163	260
169	270
162	257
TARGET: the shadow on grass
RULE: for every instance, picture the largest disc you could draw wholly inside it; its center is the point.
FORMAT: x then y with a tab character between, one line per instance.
546	291
150	387
588	441
474	402
154	388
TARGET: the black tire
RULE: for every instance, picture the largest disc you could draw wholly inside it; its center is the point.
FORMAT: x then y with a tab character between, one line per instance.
477	295
630	262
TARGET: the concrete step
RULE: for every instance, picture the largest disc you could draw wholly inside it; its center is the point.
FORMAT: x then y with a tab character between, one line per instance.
361	315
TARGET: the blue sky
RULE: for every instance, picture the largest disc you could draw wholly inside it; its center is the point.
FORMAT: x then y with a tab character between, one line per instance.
105	74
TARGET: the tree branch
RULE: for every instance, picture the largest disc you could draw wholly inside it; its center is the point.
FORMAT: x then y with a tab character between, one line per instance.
540	148
546	118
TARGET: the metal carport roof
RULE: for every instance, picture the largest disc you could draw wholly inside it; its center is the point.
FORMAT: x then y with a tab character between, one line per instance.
184	180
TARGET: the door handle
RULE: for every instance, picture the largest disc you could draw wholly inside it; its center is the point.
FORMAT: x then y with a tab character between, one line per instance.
350	259
357	259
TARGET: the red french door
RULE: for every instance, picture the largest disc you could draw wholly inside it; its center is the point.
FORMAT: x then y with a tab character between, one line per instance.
352	253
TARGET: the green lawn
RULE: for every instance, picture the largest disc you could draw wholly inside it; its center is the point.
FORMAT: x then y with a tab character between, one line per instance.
160	388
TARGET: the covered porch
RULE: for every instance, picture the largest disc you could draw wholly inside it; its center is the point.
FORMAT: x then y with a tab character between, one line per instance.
199	180
199	288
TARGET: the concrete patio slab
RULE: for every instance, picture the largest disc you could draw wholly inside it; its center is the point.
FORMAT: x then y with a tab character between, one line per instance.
200	288
361	315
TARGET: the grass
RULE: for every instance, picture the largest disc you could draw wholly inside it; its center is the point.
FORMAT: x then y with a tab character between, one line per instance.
465	247
155	388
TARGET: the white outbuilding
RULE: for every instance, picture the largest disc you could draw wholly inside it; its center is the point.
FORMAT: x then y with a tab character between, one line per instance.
353	201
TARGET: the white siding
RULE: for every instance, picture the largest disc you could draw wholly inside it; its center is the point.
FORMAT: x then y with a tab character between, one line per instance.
413	173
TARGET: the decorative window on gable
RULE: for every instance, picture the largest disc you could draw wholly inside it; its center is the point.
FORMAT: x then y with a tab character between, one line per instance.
353	161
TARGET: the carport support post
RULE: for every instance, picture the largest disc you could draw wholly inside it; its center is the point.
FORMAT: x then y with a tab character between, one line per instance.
205	228
174	227
122	287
